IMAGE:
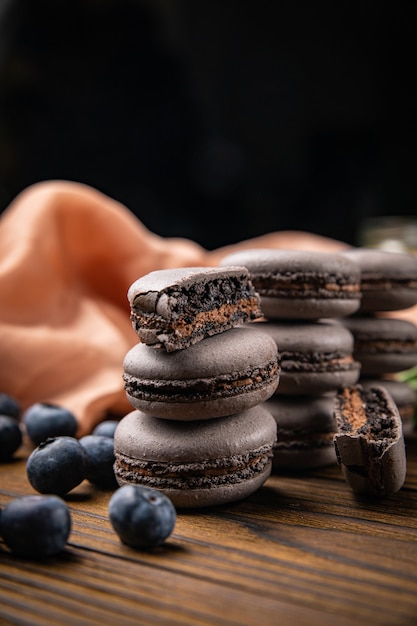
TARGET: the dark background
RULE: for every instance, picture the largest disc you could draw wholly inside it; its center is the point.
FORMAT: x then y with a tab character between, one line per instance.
216	120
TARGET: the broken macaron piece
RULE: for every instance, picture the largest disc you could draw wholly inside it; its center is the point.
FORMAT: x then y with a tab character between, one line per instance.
369	442
176	308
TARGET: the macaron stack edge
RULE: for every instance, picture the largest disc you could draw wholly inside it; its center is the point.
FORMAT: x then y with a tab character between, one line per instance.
197	380
386	344
303	294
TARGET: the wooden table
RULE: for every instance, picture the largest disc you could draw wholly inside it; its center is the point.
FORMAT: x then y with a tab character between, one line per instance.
301	551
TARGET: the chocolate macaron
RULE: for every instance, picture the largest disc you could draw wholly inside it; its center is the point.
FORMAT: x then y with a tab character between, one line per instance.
206	463
388	279
175	308
315	358
221	375
369	441
300	284
383	345
305	430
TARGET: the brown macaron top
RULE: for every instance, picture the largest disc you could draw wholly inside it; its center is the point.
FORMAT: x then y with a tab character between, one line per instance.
235	350
151	439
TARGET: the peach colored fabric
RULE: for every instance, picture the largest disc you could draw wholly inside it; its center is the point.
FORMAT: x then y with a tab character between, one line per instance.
68	254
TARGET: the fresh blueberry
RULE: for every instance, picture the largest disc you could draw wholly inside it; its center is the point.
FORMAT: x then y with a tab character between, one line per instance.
44	420
106	428
142	517
57	465
9	405
100	461
10	437
36	526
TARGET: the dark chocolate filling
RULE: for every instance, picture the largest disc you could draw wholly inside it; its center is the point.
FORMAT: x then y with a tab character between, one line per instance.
306	285
389	346
316	361
201	388
382	282
366	412
194	475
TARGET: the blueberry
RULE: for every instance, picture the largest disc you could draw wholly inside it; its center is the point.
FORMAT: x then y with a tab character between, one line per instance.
142	517
100	461
36	526
57	465
44	420
106	428
10	437
9	405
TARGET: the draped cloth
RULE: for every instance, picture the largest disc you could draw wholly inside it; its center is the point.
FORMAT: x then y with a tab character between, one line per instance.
68	254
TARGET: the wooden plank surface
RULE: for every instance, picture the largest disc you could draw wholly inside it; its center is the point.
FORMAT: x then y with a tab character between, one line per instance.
301	551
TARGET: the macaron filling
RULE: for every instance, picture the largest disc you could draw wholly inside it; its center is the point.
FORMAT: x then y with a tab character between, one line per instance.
306	285
206	474
316	362
200	389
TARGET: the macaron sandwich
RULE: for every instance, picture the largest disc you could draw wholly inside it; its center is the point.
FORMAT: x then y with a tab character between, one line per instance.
176	308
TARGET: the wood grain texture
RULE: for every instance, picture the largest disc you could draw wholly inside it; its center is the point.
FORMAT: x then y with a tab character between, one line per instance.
303	550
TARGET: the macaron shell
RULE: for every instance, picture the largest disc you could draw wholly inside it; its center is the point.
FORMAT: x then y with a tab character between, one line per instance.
320	337
237	349
142	436
159	280
310	383
275	308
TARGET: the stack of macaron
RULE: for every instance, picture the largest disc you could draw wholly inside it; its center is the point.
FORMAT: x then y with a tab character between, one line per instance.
197	379
302	296
386	345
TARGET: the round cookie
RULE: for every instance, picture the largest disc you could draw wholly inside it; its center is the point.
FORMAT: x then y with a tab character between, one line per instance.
388	279
305	430
383	345
315	358
218	376
404	396
300	284
205	463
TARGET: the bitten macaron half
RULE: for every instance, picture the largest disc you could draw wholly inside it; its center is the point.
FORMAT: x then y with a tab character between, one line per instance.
224	374
300	284
175	308
210	462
